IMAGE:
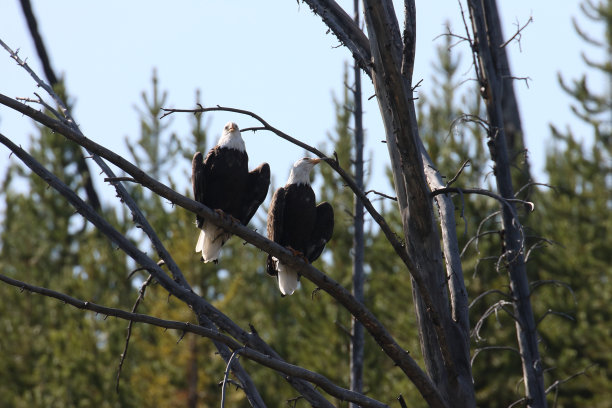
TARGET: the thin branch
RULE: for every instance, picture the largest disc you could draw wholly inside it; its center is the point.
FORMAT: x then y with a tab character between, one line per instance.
456	176
556	384
531	184
114	180
535	285
554	312
488	292
141	294
518	402
493	309
226	374
517	34
476	238
490	348
381	194
44	104
484	192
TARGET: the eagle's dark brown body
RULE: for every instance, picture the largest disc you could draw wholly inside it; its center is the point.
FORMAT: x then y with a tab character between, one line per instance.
222	181
296	221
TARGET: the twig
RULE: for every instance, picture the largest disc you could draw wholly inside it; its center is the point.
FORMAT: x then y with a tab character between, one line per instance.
493	309
141	294
381	194
226	374
535	285
484	192
517	33
488	292
489	348
556	384
476	238
456	176
553	312
114	180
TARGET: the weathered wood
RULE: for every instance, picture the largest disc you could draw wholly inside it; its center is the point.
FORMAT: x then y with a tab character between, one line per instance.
447	364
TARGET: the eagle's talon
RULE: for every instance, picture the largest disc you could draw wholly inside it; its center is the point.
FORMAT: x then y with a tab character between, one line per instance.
225	215
297	253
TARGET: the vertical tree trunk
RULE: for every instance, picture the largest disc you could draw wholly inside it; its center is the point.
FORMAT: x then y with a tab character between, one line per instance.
442	342
491	87
357	337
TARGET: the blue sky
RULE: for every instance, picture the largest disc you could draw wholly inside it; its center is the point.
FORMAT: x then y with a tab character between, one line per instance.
273	58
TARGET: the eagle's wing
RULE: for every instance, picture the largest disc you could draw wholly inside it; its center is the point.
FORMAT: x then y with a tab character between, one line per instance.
275	225
322	232
198	181
258	182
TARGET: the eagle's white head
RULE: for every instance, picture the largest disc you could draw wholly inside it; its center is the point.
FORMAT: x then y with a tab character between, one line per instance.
300	172
231	137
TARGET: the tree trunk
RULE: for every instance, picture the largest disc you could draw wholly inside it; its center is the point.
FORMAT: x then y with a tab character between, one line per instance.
490	77
444	344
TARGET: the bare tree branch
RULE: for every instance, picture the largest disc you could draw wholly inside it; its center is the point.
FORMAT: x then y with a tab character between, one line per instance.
518	32
484	192
491	348
554	312
227	373
493	309
141	294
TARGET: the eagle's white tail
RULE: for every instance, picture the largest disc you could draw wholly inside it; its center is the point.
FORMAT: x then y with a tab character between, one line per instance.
210	241
287	279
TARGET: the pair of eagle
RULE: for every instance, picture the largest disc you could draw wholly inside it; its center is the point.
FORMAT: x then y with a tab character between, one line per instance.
222	181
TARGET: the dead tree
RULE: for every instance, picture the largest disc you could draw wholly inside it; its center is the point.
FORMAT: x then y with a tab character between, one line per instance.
487	45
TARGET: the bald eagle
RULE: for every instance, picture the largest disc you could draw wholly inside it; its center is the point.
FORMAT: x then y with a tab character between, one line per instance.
296	222
222	181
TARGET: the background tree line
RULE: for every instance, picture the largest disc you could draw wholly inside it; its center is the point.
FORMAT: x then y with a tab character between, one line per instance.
59	356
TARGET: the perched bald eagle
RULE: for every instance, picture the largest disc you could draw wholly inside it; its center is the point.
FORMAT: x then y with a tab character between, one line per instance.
222	181
296	222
